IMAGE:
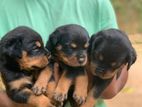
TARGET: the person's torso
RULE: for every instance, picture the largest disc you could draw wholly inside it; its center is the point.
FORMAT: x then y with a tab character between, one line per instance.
46	15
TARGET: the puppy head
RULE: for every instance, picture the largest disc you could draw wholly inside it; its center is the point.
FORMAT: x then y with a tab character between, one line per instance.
109	51
69	44
24	46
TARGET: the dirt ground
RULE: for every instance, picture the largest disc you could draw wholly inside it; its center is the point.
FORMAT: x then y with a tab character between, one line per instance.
131	95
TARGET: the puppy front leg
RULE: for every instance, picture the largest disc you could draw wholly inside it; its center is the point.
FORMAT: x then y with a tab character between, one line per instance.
90	101
37	101
40	86
51	89
20	91
15	89
26	96
62	88
51	86
81	85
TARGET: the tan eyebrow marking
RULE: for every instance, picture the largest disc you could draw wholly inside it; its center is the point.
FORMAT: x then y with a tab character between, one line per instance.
113	64
101	57
86	45
73	45
38	43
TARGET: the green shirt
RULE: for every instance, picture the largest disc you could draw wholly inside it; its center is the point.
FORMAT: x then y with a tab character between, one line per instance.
45	15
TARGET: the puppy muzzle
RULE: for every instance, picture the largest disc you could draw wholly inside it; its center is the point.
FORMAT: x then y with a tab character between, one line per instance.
47	53
81	59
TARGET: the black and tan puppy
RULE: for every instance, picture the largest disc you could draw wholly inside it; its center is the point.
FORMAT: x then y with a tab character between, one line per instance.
68	46
108	52
22	58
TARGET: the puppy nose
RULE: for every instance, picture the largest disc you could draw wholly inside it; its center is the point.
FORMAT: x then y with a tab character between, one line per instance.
99	70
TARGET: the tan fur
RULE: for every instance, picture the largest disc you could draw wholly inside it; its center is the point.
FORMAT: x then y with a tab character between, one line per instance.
59	47
63	85
101	57
38	44
86	45
90	102
73	45
17	84
51	88
107	75
39	101
43	78
81	84
70	60
27	62
113	64
92	68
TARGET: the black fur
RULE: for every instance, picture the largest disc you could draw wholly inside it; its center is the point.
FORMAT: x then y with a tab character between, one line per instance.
12	45
109	50
60	42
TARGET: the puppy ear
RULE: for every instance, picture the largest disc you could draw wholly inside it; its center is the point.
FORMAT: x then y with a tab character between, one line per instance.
53	40
94	42
131	58
13	47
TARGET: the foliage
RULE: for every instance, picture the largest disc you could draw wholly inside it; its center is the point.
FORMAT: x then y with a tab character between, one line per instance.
129	14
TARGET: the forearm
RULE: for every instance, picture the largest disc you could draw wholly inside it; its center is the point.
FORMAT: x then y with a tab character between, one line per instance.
116	85
7	102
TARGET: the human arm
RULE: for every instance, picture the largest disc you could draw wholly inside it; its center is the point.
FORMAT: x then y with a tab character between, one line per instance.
116	85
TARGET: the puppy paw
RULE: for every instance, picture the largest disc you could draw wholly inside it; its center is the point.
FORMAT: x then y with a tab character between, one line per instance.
80	99
57	103
39	89
60	96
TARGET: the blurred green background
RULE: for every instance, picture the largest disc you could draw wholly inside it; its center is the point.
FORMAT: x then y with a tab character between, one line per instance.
129	15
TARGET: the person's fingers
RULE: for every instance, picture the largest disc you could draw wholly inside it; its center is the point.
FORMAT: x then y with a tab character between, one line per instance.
5	100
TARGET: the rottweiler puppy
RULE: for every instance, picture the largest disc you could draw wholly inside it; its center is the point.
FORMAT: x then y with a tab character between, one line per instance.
22	58
68	46
108	52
